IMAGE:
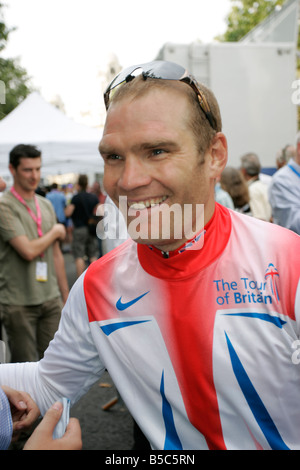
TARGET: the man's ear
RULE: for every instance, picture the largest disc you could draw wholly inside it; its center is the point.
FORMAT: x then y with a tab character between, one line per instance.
11	169
218	154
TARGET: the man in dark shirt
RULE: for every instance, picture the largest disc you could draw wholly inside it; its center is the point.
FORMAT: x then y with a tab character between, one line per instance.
83	205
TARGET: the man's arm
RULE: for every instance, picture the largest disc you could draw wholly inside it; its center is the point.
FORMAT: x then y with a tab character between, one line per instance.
30	249
71	364
59	264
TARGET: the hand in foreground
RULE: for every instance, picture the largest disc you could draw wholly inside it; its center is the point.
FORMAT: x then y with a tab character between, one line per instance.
60	231
24	410
41	438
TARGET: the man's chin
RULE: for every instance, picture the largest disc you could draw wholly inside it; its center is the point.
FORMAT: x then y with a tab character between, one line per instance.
165	245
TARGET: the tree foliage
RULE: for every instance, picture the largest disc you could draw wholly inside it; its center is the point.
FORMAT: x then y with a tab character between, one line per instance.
15	78
245	15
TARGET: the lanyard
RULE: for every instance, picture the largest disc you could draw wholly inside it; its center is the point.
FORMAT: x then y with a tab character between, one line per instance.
37	218
294	170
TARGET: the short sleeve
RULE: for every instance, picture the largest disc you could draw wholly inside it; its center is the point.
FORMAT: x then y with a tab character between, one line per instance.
10	226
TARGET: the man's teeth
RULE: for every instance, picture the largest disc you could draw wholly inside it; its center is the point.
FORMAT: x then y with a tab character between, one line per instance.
145	204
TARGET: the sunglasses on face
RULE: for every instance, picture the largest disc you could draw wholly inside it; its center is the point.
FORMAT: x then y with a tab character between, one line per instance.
160	70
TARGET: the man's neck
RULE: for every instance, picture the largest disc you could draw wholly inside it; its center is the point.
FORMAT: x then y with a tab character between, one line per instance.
25	194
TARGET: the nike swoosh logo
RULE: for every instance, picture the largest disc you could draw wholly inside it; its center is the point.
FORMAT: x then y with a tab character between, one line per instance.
124	305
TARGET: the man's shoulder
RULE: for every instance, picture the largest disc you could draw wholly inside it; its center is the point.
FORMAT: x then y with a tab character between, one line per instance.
6	197
117	256
85	196
258	187
281	174
92	197
8	200
262	231
43	201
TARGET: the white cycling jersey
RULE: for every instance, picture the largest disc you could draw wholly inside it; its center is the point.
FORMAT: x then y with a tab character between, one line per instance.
202	346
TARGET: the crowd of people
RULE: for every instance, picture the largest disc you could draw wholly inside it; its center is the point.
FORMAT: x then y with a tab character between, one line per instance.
270	198
164	304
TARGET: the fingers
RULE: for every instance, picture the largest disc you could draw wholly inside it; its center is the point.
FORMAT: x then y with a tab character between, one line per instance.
25	417
60	230
72	437
51	418
24	410
15	398
42	437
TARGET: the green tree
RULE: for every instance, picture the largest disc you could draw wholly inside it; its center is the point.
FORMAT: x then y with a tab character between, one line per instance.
245	15
15	78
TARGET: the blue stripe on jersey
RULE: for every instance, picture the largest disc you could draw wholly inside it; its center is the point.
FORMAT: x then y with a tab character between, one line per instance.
255	403
260	316
111	327
172	441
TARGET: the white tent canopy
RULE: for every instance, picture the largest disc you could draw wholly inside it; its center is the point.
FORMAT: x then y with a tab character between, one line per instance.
67	147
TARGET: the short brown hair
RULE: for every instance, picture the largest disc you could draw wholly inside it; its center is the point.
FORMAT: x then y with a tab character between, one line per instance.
23	151
83	181
234	183
199	124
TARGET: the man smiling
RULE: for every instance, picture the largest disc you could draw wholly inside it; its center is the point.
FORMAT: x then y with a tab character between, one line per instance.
163	313
153	161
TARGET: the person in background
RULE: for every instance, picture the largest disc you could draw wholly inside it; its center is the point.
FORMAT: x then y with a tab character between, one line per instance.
284	155
58	201
222	196
233	182
82	206
258	191
96	189
68	193
33	282
284	192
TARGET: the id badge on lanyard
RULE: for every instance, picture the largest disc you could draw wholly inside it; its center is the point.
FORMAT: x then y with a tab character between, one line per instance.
41	271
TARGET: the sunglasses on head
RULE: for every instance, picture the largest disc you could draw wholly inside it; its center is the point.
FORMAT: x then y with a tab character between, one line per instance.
165	71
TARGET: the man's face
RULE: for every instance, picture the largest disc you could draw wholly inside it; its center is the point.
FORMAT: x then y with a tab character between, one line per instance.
151	158
27	174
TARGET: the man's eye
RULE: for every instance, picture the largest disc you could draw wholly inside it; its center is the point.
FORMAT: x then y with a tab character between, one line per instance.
158	152
112	157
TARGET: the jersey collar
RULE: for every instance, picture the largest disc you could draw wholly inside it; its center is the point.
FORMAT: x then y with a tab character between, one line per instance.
187	260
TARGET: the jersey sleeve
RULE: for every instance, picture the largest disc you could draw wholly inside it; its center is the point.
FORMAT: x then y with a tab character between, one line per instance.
71	363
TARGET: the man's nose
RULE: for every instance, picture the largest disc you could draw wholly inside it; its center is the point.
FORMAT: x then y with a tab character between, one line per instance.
135	173
35	174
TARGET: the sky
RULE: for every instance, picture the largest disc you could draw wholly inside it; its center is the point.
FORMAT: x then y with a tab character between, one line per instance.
66	45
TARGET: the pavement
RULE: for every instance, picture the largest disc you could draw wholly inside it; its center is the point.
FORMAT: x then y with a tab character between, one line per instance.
104	430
